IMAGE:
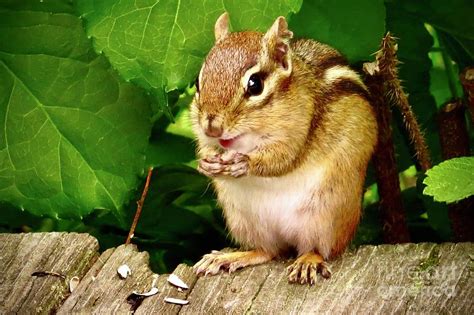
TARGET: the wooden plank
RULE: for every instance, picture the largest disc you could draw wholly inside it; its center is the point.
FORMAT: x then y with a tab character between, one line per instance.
102	291
413	278
447	282
156	303
68	254
276	295
407	278
226	293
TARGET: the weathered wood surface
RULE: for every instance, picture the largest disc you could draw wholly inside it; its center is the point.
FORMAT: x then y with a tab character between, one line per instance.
102	291
68	254
409	278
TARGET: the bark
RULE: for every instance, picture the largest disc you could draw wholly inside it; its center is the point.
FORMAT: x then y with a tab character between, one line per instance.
391	205
454	139
388	63
453	131
385	89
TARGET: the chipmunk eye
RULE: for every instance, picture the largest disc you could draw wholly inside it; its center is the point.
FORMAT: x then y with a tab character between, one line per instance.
255	84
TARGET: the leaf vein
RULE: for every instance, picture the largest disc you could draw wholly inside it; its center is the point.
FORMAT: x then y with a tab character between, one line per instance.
5	125
170	38
40	105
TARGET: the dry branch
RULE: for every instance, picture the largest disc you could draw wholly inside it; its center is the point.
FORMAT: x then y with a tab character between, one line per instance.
454	140
453	133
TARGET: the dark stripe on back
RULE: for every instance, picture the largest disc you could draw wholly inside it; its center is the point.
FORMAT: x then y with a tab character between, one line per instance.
345	87
334	92
336	60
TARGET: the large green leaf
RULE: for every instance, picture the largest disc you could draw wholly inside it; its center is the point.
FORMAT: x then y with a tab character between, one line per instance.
160	45
353	27
440	75
451	180
52	6
452	21
73	134
453	17
460	49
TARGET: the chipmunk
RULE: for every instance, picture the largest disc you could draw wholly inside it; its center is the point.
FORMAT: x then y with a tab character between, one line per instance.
285	130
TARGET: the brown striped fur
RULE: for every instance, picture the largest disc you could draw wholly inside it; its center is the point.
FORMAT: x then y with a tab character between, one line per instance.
315	125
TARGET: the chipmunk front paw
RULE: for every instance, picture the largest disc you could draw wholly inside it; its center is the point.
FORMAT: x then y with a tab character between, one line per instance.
230	163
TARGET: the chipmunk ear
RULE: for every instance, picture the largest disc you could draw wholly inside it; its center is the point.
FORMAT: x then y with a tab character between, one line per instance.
276	42
221	28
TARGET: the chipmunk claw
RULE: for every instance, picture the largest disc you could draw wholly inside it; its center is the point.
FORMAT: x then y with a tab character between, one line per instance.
208	169
230	163
305	269
212	263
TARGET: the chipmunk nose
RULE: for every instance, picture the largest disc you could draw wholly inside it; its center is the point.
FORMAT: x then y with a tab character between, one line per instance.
213	129
213	132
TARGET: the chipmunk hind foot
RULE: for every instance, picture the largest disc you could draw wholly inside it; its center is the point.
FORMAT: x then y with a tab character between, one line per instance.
212	263
305	269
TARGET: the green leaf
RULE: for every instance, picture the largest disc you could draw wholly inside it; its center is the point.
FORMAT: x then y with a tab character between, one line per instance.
257	15
454	17
52	6
460	49
169	148
355	28
439	86
451	180
161	44
172	178
73	134
452	20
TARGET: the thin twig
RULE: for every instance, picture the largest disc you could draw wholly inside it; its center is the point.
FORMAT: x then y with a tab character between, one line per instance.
139	206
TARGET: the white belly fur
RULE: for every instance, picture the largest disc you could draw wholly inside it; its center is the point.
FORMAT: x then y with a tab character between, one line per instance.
272	213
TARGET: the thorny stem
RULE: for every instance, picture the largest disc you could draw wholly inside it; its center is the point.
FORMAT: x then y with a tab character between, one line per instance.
387	61
139	206
379	73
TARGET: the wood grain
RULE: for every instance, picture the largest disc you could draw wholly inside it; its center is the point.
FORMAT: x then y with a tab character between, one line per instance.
68	254
407	278
102	291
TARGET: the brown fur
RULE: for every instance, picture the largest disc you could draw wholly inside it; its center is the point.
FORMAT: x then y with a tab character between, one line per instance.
305	121
222	71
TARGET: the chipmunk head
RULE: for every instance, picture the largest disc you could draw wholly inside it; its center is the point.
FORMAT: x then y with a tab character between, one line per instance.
238	82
